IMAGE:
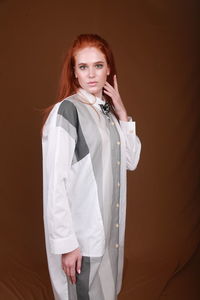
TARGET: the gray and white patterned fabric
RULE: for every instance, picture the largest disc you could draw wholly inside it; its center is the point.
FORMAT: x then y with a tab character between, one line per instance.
85	157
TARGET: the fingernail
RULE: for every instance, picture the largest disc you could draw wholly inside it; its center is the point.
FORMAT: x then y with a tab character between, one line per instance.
79	271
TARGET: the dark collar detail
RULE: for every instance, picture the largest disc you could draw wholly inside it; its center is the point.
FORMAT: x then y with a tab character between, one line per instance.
105	108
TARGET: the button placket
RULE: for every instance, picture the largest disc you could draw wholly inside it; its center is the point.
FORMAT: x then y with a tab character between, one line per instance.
117	185
118	188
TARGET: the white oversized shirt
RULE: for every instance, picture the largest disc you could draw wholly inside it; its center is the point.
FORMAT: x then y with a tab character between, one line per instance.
85	158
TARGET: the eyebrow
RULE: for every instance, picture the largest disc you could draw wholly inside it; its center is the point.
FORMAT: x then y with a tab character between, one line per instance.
97	62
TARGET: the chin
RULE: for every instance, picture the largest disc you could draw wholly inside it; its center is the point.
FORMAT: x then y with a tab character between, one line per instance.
94	90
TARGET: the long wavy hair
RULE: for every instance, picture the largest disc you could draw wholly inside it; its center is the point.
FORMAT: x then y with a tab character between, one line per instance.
68	83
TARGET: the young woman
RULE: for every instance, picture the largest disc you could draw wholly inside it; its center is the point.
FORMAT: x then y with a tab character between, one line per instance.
88	144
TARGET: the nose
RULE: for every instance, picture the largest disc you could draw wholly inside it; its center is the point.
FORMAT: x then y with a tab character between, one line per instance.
91	72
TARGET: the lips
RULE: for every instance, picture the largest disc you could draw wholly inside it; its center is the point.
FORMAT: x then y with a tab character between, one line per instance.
92	83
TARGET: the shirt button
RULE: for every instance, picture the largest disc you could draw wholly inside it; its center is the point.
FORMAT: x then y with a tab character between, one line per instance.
118	184
117	205
117	245
118	143
118	162
117	225
113	123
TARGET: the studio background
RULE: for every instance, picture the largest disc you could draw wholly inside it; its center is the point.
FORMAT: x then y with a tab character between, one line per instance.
155	44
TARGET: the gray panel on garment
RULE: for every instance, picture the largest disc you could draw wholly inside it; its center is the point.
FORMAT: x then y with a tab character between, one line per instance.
82	285
69	112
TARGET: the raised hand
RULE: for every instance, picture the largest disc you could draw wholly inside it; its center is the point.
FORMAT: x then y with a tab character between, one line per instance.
113	92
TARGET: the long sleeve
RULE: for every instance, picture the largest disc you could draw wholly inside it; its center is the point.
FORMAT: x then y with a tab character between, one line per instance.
133	144
59	155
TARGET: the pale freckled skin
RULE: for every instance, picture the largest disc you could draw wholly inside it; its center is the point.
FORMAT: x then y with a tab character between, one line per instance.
91	66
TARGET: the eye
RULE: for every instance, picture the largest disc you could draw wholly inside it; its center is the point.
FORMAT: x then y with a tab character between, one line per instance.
82	67
99	66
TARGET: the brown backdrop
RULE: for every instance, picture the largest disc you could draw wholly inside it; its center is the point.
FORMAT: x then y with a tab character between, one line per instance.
156	49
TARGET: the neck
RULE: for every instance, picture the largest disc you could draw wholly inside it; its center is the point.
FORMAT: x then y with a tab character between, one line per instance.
99	94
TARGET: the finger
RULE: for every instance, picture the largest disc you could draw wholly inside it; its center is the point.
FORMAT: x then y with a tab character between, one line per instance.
78	266
115	88
110	89
64	268
115	83
107	84
108	93
67	272
72	274
111	92
73	279
72	271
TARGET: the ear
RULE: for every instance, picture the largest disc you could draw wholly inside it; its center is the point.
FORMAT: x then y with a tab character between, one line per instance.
108	71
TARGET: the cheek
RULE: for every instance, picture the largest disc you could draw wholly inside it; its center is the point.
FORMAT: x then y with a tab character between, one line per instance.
104	75
80	76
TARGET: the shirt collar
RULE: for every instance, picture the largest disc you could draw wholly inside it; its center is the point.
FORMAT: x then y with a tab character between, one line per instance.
90	98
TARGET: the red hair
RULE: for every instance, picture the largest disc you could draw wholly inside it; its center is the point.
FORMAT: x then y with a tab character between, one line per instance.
68	84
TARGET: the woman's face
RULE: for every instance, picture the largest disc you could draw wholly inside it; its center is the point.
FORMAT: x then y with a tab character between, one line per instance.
91	70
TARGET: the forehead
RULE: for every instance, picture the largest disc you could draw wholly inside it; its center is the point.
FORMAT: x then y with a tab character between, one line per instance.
89	55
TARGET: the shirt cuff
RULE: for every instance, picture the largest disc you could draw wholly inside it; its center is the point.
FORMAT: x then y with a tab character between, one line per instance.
129	126
60	246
